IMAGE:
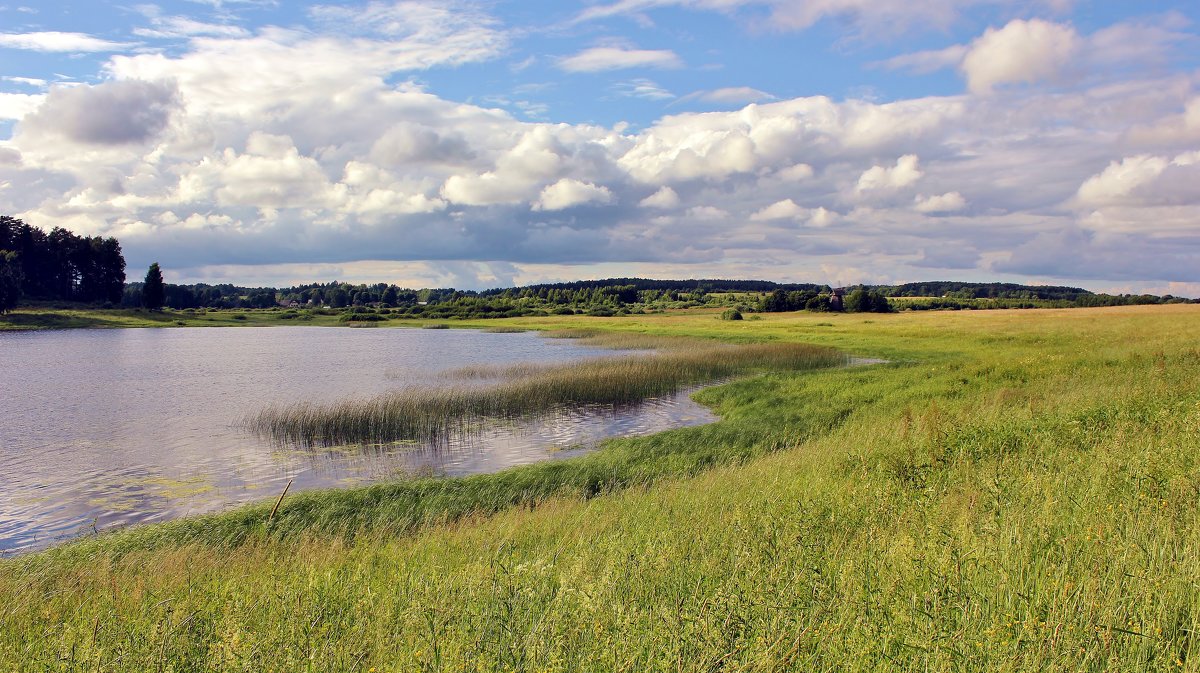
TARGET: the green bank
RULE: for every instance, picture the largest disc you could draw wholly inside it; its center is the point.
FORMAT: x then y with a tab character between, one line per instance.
1010	491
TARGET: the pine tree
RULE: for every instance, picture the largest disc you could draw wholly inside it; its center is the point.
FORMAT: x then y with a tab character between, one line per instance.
153	291
10	281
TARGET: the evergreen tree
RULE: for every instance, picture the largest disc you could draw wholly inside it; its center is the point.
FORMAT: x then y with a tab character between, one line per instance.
10	281
154	293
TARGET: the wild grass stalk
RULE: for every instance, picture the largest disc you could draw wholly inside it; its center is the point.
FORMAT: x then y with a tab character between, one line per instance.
432	415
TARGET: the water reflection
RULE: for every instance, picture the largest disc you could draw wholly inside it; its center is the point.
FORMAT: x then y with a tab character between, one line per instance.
106	428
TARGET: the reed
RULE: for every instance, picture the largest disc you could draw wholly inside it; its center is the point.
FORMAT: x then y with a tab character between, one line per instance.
432	415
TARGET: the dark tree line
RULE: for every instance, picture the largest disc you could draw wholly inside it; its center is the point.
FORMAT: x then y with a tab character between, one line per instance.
961	290
60	265
859	300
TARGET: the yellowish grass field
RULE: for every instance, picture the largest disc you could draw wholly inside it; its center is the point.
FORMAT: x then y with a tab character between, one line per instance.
1012	491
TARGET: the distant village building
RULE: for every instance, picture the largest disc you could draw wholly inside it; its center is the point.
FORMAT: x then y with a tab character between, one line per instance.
835	299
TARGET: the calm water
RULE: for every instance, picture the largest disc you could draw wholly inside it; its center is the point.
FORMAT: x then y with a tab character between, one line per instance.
104	428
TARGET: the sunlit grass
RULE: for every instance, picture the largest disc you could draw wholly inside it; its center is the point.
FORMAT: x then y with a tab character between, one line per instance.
1008	493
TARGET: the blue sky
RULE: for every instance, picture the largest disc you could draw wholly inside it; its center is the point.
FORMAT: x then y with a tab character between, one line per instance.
488	143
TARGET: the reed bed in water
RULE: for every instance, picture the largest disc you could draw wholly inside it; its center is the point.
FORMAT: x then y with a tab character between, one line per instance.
434	414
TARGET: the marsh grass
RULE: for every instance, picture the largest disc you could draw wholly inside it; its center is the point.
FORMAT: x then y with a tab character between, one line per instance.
432	415
1008	493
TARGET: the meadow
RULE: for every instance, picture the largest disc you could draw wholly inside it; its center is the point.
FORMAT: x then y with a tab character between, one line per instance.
1010	491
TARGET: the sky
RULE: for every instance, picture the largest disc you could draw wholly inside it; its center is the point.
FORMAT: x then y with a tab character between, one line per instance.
435	143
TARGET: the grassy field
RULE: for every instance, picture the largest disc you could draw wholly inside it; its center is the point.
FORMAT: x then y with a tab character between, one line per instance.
40	318
1012	491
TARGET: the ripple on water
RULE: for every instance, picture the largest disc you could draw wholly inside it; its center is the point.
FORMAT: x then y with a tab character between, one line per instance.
118	427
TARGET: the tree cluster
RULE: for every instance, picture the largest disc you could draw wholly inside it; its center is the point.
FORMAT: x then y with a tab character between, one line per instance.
60	265
860	300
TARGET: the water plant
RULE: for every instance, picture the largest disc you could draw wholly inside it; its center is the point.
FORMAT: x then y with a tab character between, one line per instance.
433	414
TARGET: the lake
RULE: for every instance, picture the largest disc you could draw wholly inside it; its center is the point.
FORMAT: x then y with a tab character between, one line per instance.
106	428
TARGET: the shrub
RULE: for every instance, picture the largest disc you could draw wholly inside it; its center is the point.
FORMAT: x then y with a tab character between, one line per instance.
731	314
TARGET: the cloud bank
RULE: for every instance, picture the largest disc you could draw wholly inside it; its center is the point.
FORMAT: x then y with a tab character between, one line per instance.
328	153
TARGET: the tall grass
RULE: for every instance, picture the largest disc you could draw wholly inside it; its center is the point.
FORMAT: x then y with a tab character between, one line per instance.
1010	492
431	415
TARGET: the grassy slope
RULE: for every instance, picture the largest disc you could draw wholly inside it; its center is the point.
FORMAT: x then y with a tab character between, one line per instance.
1015	491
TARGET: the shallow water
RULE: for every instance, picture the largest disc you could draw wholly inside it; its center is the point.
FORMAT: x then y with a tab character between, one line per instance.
105	428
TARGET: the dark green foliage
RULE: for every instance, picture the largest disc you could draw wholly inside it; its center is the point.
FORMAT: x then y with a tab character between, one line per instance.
731	314
781	301
612	297
862	300
62	266
958	290
10	280
153	290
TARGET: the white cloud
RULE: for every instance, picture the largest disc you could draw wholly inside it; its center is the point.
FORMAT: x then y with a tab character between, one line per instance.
734	95
181	26
795	173
1020	52
1143	180
27	81
943	203
1120	179
18	105
880	16
53	41
665	198
350	162
905	173
706	213
1033	51
598	59
643	88
925	62
780	210
821	217
567	193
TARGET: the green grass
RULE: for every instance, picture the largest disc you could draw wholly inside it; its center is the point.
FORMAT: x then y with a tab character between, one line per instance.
1011	492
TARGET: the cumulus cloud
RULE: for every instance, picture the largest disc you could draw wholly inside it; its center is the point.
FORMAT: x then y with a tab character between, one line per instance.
326	154
1033	51
598	59
795	173
53	41
1144	180
822	217
568	193
1022	51
905	173
780	210
1120	179
17	105
665	198
942	203
111	113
